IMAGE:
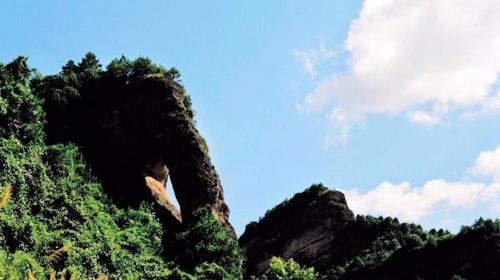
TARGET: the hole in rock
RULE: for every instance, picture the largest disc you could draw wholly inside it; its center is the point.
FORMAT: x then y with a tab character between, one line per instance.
171	194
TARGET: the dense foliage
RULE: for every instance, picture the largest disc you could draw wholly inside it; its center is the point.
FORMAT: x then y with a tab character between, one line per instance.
394	236
57	217
205	243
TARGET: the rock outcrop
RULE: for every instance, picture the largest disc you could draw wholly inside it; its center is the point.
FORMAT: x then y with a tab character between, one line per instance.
156	181
182	151
136	128
303	228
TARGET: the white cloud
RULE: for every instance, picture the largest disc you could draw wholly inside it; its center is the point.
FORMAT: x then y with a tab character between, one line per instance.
488	164
423	117
489	107
342	127
414	203
408	56
309	58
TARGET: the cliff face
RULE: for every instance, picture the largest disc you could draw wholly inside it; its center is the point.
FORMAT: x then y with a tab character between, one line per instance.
136	128
157	110
303	228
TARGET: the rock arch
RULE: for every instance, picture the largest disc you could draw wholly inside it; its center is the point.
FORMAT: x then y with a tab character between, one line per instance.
160	112
136	134
156	176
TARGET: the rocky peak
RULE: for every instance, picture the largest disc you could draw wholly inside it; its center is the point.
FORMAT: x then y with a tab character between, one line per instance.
302	228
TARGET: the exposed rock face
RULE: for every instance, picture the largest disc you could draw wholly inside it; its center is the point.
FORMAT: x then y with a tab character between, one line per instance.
303	228
156	183
164	118
136	132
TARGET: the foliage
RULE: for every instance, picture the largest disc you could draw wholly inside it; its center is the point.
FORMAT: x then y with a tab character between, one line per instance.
487	226
21	114
206	249
396	236
313	190
54	202
280	269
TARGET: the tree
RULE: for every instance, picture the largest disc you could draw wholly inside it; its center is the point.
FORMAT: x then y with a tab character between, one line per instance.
413	241
89	68
21	113
280	269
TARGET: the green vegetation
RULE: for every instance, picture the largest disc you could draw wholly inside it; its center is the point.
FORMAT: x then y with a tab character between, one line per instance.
313	190
205	246
396	236
486	226
54	202
288	270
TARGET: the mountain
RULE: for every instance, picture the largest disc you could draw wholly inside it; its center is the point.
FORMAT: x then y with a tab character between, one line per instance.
303	228
316	229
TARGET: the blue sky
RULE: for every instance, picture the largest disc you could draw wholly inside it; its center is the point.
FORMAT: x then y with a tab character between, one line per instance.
289	93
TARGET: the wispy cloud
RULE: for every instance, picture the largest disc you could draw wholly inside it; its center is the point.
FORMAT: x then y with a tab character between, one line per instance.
310	57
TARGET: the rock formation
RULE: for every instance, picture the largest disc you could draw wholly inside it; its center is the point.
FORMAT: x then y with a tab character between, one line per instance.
183	152
135	126
156	181
303	228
